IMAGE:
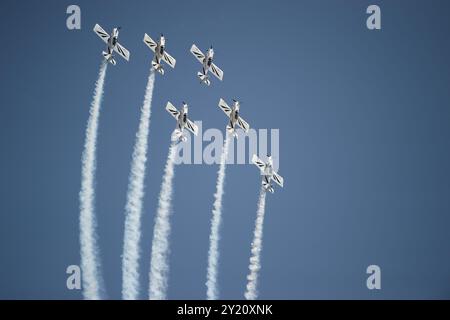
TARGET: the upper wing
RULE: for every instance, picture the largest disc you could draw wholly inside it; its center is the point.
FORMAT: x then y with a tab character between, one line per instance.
278	179
197	53
101	33
258	162
224	106
192	127
243	124
169	59
216	71
172	110
122	51
150	43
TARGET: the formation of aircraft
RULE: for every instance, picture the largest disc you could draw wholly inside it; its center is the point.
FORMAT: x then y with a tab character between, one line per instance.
233	115
207	64
160	54
113	45
268	173
182	121
159	48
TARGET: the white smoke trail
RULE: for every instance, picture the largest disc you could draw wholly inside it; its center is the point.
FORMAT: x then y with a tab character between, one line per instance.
159	265
90	263
255	260
135	194
212	291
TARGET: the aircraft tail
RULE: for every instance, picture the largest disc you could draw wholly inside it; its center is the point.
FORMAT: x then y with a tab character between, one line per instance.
158	67
177	135
232	131
204	78
268	187
109	57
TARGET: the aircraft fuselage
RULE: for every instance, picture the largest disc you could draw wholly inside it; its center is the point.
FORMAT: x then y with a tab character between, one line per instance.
182	118
159	52
112	41
207	62
234	115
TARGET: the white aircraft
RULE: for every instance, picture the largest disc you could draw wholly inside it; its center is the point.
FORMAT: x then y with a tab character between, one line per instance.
233	114
207	62
268	173
113	45
182	121
160	53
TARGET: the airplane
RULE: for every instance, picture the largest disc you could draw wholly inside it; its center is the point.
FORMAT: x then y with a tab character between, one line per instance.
207	62
113	45
182	121
160	53
268	173
233	114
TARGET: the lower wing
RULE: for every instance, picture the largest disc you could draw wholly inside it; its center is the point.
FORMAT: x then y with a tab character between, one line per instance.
172	110
150	43
243	124
224	106
122	51
278	179
101	33
191	126
197	53
258	162
216	71
169	59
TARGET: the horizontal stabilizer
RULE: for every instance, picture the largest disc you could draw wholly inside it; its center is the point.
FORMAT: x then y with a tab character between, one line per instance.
267	186
158	67
204	78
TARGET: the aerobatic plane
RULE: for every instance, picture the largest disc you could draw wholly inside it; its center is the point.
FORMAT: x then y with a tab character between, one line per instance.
268	173
233	115
113	45
207	63
182	121
159	48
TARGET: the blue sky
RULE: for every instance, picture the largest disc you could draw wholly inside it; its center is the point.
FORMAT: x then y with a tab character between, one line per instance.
363	119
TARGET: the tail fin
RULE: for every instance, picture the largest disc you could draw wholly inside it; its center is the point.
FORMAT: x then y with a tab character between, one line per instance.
158	67
177	135
109	57
204	78
232	131
268	187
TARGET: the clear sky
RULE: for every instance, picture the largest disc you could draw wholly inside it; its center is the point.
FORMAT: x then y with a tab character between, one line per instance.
364	149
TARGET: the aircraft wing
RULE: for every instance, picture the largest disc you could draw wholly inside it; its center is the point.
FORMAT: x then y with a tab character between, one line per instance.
150	43
172	110
243	124
258	162
224	106
191	127
216	71
197	53
169	59
101	33
278	179
122	51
